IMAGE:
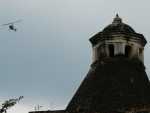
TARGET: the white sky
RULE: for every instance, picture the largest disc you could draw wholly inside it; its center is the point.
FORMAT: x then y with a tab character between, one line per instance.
46	60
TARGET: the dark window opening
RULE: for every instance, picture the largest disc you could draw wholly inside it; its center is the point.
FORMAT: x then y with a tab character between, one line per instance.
111	50
127	51
140	51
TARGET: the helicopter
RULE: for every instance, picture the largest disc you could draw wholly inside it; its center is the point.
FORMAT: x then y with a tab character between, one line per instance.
11	25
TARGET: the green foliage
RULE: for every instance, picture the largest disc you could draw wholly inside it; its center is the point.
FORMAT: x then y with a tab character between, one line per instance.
9	103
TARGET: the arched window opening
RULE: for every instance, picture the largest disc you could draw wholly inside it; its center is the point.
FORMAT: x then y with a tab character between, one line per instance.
101	51
140	51
127	51
111	50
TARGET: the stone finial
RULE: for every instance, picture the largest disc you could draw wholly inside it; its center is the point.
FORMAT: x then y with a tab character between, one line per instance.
117	16
117	20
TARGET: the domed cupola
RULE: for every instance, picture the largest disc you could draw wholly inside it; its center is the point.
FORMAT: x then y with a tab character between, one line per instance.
118	26
116	39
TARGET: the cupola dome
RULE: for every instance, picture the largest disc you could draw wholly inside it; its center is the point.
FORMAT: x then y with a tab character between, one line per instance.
118	26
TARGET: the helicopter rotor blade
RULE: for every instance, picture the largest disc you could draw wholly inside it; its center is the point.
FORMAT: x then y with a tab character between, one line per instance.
17	21
2	28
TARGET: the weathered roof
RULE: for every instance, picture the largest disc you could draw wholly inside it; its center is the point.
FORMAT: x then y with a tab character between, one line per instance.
117	27
112	28
112	85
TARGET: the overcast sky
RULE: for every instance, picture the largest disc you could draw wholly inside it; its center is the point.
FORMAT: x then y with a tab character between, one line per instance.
46	60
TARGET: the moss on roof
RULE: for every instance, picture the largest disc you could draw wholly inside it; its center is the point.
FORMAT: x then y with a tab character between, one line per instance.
112	84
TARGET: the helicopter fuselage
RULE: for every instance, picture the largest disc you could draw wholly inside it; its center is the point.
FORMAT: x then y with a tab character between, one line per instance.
11	27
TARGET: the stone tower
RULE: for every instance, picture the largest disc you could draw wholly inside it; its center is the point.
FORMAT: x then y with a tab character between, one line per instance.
116	81
118	39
